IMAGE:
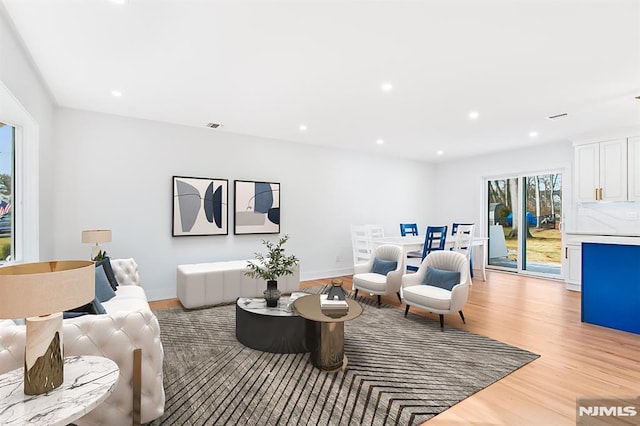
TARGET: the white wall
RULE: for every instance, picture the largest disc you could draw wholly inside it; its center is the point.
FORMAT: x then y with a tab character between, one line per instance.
115	173
31	99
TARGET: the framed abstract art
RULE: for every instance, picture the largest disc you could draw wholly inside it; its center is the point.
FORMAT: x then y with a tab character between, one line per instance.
200	206
257	207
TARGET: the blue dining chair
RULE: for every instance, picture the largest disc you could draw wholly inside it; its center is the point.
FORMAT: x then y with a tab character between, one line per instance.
434	239
408	229
454	231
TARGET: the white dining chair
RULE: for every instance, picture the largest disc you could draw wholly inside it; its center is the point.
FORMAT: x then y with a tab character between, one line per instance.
463	241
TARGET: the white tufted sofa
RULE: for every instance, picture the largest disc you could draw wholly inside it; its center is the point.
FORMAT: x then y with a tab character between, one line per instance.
128	324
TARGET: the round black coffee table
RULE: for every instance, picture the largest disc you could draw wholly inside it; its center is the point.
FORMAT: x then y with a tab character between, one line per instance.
278	329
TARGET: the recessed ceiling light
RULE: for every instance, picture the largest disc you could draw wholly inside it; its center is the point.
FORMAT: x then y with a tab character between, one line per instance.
533	134
303	127
440	152
379	141
473	115
386	87
116	93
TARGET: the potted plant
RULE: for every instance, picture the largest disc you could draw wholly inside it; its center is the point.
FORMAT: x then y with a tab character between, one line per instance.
276	264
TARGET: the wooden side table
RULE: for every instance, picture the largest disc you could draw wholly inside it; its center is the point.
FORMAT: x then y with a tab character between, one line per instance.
88	380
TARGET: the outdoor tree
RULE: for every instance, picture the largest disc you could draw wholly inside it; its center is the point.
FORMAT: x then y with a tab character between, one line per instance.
5	186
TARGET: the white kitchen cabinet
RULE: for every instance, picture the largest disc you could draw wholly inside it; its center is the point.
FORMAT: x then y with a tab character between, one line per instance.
572	254
633	156
601	171
572	266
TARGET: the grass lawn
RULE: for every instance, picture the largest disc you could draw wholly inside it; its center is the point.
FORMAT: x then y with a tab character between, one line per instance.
544	245
5	247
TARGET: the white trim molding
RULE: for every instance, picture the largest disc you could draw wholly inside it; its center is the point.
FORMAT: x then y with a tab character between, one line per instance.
27	177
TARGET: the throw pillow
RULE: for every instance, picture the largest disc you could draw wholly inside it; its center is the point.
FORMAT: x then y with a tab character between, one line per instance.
106	264
441	278
97	306
104	291
70	314
79	311
383	267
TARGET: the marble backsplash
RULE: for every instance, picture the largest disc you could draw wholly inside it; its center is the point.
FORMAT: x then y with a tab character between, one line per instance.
613	218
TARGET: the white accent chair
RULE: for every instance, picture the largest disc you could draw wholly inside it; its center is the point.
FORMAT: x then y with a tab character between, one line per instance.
374	283
435	299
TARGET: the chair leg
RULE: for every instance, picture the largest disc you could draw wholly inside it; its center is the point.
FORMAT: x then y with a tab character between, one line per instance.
462	316
406	310
378	300
441	322
355	295
399	297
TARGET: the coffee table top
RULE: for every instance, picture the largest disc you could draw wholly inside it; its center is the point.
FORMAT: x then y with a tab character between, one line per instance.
309	307
258	305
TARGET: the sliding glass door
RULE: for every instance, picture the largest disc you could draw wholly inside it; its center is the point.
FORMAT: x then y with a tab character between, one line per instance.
524	215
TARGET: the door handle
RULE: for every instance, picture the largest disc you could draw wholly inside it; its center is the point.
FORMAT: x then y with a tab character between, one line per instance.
566	252
601	194
596	194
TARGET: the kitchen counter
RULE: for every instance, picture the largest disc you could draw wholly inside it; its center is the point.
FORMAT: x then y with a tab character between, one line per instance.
612	238
611	285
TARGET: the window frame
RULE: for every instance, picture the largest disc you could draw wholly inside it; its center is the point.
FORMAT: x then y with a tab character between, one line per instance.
25	208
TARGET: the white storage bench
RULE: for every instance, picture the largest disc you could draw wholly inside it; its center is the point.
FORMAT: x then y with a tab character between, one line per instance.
205	284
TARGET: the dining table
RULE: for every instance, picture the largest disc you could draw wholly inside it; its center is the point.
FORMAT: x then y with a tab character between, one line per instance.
415	242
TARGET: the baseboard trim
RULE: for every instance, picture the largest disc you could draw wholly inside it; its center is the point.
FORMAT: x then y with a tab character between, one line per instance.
319	275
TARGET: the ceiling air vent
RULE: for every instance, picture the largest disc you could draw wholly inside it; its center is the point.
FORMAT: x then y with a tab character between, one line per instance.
557	116
214	125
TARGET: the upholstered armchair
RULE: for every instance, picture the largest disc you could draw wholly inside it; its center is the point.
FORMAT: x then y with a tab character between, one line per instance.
382	274
441	284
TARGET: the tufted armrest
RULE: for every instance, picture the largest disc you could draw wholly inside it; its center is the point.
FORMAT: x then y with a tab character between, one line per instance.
114	335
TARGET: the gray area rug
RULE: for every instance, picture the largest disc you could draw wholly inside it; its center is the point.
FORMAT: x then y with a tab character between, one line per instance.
401	371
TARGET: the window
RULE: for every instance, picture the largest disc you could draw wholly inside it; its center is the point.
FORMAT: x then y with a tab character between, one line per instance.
7	162
524	215
25	223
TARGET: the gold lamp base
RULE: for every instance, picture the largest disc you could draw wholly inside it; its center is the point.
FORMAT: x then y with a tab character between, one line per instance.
43	362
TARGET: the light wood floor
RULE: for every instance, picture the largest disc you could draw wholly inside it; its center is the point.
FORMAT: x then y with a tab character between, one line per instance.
577	360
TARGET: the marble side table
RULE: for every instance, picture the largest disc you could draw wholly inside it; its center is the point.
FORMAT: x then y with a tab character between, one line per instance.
88	380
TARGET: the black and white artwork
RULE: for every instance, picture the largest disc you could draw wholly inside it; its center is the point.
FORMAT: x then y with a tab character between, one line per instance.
200	206
257	207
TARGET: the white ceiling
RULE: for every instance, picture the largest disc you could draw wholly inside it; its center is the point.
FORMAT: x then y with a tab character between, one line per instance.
264	67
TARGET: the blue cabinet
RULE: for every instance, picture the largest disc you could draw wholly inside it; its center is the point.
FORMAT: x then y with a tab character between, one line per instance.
611	286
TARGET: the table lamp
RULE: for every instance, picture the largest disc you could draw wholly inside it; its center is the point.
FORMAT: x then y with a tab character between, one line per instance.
40	292
96	236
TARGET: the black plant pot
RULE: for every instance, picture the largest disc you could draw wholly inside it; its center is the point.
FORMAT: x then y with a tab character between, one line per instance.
272	294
